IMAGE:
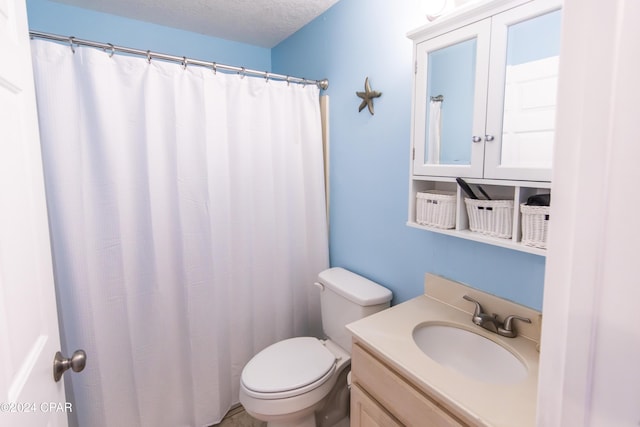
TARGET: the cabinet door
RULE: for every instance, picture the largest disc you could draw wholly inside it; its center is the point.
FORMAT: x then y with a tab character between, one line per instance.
525	44
450	102
401	399
365	412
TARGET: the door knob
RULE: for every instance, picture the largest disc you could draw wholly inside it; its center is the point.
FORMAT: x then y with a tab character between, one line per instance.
489	138
476	139
76	362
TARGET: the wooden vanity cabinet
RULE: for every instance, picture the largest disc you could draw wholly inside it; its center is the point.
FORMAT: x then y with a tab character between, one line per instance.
366	412
382	397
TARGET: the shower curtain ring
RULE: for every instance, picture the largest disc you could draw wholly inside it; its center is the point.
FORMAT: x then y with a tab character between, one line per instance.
71	39
266	76
148	57
112	50
215	68
184	62
288	80
242	72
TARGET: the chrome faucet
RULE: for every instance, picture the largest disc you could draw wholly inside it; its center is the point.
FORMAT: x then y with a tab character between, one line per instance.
491	322
507	329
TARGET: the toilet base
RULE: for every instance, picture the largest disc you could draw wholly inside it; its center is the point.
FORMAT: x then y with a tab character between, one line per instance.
303	418
336	406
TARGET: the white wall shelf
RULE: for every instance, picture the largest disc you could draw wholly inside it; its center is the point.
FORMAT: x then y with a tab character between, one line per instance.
518	191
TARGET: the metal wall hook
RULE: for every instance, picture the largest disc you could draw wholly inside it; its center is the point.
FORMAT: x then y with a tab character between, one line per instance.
112	50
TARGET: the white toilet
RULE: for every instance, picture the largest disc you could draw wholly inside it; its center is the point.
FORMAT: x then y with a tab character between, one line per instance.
302	382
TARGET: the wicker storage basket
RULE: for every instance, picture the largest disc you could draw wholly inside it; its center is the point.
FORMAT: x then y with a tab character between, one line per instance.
535	223
490	217
436	209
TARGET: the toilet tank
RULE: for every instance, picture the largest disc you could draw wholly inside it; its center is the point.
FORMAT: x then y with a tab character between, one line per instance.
345	298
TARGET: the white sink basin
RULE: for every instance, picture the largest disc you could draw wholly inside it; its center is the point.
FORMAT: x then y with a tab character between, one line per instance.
469	354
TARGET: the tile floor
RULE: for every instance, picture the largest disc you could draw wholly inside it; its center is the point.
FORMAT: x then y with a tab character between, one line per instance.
237	417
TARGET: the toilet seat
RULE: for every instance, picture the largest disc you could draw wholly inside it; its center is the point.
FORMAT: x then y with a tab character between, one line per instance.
288	368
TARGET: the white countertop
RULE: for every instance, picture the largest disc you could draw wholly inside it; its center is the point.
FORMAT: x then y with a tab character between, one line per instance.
389	334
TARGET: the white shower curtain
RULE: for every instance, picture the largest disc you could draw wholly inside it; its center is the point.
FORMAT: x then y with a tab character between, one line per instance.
435	132
188	224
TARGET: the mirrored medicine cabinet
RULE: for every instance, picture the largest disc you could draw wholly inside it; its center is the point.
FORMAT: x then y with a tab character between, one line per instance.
485	96
484	102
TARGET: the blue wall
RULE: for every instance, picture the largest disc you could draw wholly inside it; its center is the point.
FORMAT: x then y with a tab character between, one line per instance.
370	158
369	154
57	18
534	39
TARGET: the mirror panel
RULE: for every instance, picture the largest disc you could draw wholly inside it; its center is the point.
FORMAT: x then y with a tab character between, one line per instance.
450	93
531	78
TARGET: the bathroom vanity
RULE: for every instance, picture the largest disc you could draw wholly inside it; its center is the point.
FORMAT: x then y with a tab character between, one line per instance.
484	97
382	397
474	377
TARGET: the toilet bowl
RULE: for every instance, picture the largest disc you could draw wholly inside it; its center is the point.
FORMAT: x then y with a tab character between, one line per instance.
290	382
302	382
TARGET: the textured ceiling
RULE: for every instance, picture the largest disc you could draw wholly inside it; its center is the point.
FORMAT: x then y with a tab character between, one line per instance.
258	22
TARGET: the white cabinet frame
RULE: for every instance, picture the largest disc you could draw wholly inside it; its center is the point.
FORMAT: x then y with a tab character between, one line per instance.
480	31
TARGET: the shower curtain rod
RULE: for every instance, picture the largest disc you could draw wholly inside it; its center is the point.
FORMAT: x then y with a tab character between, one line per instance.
322	84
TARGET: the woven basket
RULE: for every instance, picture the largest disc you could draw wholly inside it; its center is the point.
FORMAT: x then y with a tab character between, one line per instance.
535	223
436	209
490	217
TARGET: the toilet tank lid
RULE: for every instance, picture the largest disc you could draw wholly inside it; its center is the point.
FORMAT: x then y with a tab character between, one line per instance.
354	287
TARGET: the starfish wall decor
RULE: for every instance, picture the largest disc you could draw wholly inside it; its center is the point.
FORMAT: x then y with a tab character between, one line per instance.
367	97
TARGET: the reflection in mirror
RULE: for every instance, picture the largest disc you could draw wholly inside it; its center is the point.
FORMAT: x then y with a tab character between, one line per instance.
450	90
530	92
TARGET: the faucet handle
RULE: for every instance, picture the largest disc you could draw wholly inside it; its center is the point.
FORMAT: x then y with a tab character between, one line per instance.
478	311
507	329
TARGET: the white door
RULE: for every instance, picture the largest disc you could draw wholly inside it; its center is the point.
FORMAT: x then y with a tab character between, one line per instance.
28	320
529	112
